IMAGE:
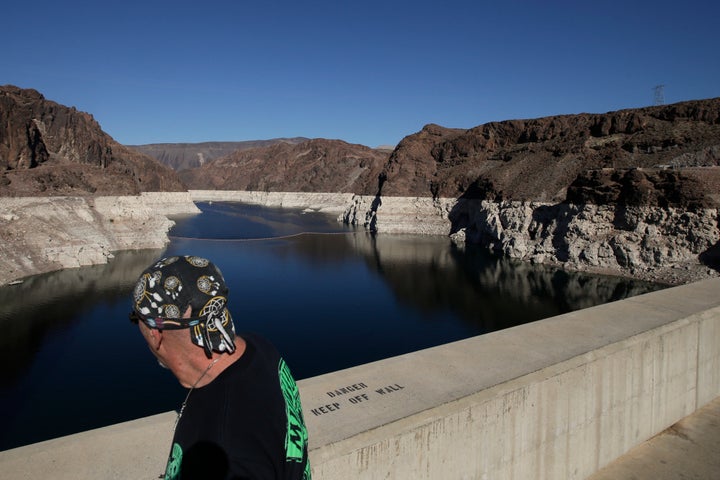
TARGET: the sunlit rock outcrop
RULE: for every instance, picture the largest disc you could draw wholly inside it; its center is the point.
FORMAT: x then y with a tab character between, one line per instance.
42	234
671	245
48	149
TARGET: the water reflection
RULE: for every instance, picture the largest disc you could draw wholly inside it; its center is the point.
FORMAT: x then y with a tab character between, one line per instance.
431	274
52	302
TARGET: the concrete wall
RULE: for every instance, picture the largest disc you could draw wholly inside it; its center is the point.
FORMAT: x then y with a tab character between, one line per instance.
557	398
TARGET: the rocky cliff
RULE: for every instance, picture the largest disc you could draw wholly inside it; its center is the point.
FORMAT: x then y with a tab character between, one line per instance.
634	192
661	244
317	165
42	234
539	159
50	149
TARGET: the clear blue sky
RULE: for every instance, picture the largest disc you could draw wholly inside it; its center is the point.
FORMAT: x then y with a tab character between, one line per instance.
368	72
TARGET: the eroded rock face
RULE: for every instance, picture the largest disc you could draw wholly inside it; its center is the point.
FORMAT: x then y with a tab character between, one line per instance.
662	244
317	165
49	149
688	187
538	159
42	234
642	241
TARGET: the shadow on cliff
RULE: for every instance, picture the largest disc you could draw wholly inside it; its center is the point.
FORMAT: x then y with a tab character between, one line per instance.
377	201
483	230
711	257
484	226
463	217
559	214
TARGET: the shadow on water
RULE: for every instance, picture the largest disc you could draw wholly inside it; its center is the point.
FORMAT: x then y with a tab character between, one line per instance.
431	274
329	299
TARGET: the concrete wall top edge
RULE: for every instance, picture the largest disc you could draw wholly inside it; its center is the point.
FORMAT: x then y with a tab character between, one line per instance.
341	404
136	449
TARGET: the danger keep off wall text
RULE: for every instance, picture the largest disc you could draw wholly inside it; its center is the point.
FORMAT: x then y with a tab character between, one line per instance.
355	394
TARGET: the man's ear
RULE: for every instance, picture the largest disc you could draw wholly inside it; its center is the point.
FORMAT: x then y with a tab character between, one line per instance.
153	337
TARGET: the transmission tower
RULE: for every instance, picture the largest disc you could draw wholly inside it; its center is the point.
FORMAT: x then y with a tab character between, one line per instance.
659	94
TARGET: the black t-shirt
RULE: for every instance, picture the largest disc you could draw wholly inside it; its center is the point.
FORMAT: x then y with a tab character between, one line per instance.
246	424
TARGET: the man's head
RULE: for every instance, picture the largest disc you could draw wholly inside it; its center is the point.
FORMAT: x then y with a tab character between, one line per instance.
186	292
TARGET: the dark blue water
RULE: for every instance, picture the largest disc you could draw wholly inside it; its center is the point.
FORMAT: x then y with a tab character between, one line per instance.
329	299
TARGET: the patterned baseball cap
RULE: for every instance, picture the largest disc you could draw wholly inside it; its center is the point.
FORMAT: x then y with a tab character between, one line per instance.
167	288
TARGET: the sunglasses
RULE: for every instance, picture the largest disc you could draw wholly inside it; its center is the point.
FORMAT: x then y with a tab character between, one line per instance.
160	323
136	318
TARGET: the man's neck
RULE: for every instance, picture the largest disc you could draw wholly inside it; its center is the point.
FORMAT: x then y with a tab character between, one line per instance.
206	371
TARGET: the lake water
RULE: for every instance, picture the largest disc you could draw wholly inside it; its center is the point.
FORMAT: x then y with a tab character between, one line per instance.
330	297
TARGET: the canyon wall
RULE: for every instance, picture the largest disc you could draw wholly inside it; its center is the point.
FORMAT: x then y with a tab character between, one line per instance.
331	203
43	234
48	149
633	192
668	245
181	156
663	244
316	165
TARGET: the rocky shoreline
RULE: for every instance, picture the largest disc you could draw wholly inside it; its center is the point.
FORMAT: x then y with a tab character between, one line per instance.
43	234
665	245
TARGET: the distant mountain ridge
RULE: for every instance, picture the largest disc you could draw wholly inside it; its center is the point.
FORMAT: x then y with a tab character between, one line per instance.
181	156
317	165
665	155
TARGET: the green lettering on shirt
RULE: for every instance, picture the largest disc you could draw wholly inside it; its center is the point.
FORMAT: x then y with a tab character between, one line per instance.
172	470
296	434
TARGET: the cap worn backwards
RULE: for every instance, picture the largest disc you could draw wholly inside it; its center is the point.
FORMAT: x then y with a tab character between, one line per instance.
167	288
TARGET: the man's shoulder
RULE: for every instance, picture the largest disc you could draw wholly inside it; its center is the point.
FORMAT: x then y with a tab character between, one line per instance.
259	355
259	342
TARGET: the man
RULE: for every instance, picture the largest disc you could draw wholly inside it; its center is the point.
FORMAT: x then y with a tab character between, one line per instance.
242	416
